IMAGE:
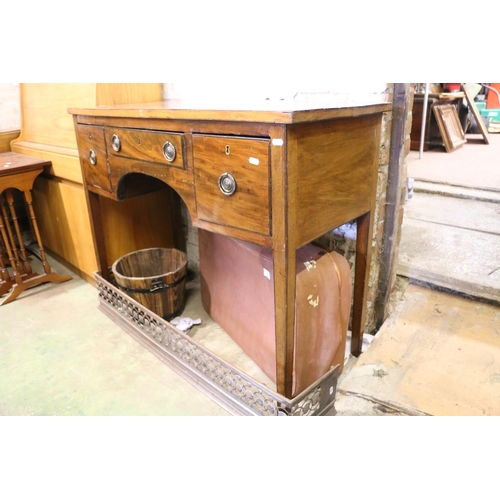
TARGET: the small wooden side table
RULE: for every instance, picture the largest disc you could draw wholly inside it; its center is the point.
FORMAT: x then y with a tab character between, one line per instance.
19	172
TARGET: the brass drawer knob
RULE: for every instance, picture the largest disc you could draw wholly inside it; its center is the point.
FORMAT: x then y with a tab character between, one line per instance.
116	144
169	151
92	157
227	184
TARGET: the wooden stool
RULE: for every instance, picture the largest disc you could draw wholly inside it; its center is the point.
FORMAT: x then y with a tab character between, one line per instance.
19	172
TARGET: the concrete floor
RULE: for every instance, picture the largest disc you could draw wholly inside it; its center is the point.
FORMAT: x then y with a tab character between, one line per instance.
451	228
61	356
450	242
474	165
453	243
438	354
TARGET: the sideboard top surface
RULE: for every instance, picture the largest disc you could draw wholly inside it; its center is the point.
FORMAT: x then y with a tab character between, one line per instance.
262	111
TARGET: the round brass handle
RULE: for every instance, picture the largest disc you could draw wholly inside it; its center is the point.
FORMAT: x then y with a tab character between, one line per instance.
116	144
227	184
92	157
169	151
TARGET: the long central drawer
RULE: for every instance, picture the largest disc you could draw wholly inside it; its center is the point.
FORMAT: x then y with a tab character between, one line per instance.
146	145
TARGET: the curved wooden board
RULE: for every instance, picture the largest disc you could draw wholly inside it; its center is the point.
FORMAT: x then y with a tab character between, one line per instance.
476	113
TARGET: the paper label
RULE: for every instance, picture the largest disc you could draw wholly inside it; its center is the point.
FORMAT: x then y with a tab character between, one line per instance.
253	161
313	301
311	264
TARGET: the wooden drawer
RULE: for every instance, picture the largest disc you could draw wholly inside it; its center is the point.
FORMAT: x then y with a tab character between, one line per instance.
146	145
92	151
247	161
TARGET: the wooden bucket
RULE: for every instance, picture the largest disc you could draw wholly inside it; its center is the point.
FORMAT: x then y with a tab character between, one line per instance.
154	277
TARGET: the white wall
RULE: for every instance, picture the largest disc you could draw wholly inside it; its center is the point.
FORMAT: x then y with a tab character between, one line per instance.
328	91
10	115
10	112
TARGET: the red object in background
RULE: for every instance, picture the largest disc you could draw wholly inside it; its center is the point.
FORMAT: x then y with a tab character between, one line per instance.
492	100
451	87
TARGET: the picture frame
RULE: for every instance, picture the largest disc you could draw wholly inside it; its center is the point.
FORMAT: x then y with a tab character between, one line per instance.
449	127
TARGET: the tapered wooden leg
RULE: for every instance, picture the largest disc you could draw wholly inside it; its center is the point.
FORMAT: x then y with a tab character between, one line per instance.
98	233
284	258
361	278
284	299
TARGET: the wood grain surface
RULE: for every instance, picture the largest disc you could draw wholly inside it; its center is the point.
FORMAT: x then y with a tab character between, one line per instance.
300	172
261	111
146	145
92	141
247	161
332	166
48	133
6	138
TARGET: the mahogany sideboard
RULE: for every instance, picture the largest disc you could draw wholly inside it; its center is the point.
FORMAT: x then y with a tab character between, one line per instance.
278	174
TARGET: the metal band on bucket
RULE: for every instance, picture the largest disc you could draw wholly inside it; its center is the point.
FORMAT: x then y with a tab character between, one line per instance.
156	286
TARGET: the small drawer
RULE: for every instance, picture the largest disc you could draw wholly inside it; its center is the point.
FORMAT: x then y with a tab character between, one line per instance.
92	151
232	181
146	145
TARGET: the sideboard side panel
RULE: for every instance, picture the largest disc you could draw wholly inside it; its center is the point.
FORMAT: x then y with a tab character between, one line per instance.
334	172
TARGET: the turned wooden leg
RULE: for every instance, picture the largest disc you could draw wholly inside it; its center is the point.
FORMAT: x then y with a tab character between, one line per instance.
9	240
8	249
361	278
13	216
5	281
4	274
34	225
34	280
13	286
